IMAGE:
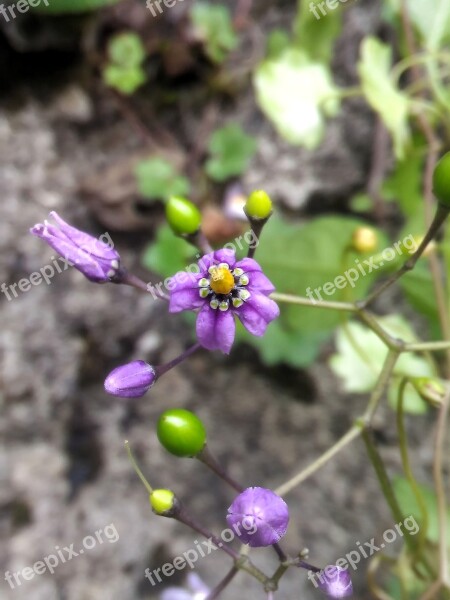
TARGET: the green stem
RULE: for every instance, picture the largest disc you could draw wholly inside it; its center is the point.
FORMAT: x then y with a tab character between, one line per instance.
302	301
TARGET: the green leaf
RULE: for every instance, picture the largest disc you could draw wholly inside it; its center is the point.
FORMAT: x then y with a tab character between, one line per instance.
382	94
168	254
361	353
125	80
278	41
214	26
158	179
297	257
72	6
431	19
316	33
231	150
126	50
296	95
404	184
409	507
281	344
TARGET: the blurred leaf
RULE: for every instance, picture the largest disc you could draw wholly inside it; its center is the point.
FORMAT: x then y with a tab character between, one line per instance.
409	507
316	33
361	353
381	93
297	257
278	41
404	184
168	254
231	150
361	203
431	19
283	345
72	6
158	179
296	95
214	26
126	50
125	80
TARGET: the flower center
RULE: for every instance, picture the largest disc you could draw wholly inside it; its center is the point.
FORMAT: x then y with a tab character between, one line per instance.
222	280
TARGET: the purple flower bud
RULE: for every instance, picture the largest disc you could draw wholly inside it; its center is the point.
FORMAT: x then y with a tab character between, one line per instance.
97	260
259	517
335	582
132	380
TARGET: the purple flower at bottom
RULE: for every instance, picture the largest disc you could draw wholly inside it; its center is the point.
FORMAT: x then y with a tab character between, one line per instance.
221	289
96	259
259	517
132	380
197	590
335	582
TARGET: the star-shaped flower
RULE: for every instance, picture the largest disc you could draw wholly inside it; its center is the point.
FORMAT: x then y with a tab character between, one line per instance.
222	288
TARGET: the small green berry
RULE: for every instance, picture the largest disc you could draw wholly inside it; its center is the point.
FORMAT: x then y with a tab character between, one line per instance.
181	432
259	205
162	501
183	216
441	180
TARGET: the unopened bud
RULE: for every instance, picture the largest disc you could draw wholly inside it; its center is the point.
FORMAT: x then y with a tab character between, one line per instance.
163	502
364	240
431	390
183	216
258	206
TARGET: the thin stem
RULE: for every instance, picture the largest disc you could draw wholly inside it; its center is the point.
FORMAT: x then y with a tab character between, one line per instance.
302	301
184	517
352	433
210	461
137	469
257	227
200	241
134	281
161	369
223	584
438	466
439	218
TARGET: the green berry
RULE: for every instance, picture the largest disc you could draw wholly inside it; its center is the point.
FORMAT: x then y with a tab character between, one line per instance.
259	205
181	432
162	501
441	180
183	216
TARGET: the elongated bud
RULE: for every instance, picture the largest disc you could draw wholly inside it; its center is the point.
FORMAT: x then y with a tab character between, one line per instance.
364	240
181	432
164	503
183	216
259	206
441	180
430	390
132	380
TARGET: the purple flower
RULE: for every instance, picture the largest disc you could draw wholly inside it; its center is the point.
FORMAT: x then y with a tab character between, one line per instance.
97	260
221	289
259	517
335	582
132	380
197	590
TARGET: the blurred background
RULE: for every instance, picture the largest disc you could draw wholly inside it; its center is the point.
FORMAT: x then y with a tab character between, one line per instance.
107	108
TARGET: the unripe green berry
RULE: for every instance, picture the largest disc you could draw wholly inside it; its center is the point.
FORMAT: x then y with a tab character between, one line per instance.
259	205
183	216
181	432
162	501
441	180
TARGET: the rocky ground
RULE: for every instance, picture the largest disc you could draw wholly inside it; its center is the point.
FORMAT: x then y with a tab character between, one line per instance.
63	470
